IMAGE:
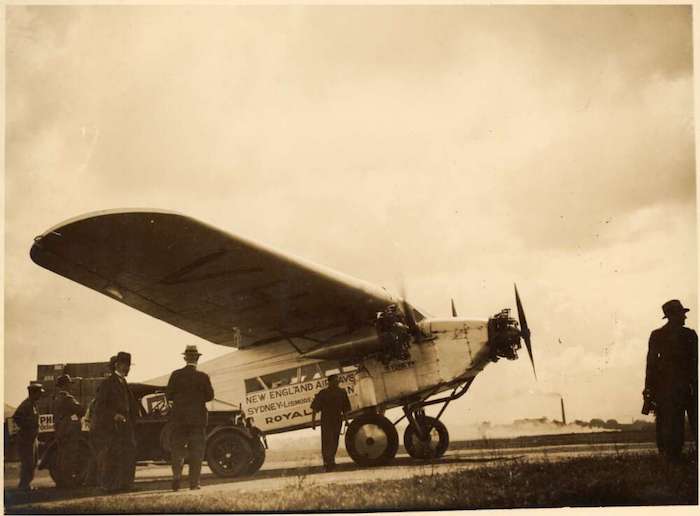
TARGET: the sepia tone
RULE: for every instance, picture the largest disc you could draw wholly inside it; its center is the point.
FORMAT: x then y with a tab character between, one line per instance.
435	155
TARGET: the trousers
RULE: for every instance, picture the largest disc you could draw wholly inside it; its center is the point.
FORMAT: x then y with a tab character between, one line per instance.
27	457
187	441
670	422
330	433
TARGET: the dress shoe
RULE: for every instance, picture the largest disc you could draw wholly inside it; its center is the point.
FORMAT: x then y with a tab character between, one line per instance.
195	487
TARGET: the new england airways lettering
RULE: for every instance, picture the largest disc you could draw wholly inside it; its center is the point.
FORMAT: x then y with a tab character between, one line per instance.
283	404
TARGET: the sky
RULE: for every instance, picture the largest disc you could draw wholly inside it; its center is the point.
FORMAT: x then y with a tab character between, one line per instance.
453	150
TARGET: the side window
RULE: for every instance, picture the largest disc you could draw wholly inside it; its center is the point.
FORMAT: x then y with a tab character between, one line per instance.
330	367
310	372
280	378
155	404
253	385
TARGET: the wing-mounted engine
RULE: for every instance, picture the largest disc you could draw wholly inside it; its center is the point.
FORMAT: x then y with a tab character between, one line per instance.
394	331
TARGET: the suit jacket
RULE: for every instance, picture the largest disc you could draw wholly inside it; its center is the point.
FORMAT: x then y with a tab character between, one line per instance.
27	418
189	390
114	397
672	362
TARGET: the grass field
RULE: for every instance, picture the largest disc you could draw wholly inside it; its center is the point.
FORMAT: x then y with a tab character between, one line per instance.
589	481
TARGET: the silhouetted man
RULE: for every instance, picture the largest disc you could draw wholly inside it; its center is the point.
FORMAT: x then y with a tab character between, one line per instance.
67	412
672	379
189	390
333	404
27	419
116	411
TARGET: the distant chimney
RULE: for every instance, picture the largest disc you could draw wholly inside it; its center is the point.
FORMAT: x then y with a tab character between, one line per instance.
563	414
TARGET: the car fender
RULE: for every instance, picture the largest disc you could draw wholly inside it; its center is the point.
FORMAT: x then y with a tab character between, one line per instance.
229	428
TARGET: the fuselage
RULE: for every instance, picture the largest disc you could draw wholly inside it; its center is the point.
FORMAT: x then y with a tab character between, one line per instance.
276	388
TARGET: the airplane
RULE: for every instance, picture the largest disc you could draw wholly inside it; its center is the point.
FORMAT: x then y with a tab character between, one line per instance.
291	324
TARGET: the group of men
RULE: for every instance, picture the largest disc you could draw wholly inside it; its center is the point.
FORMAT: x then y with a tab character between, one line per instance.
671	389
112	416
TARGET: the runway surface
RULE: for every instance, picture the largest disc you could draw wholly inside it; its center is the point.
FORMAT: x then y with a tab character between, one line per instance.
154	479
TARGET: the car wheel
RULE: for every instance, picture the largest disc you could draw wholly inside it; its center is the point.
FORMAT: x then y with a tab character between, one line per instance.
258	459
70	464
229	454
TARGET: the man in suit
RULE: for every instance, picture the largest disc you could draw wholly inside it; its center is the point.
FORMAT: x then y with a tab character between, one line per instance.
67	412
116	411
96	443
188	390
671	384
27	419
334	404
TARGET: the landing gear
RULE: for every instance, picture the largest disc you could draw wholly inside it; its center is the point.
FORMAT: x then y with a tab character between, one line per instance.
430	442
371	440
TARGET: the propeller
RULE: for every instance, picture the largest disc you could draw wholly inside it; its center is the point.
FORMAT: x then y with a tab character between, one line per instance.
454	310
524	329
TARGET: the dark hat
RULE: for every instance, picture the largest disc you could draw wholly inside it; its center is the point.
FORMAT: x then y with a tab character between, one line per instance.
36	386
191	350
64	379
123	356
673	307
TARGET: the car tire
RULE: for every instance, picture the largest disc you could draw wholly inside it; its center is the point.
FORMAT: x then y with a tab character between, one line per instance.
71	475
229	454
258	459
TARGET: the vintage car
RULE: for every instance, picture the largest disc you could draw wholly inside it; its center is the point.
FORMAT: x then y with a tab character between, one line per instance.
234	447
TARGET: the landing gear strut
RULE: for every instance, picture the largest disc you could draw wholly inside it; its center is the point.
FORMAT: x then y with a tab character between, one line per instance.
425	437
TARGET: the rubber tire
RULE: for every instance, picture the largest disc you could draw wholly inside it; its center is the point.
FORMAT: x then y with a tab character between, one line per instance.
239	450
78	480
384	425
258	456
413	444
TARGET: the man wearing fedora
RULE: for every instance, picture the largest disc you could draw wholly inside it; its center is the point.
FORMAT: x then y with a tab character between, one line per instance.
672	380
188	390
67	412
116	411
27	419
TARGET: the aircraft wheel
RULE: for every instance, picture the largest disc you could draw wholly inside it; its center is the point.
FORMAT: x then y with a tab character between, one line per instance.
371	440
258	451
436	444
229	454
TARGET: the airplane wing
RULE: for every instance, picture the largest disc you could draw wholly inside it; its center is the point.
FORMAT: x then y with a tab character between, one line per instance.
223	288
